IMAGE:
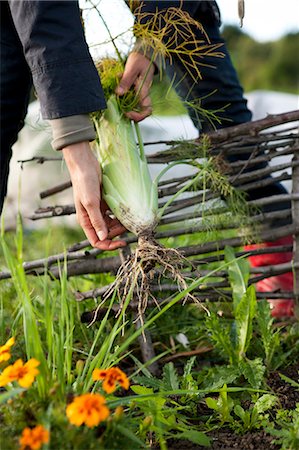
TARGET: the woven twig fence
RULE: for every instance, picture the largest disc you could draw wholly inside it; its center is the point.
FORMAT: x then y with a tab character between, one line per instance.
265	144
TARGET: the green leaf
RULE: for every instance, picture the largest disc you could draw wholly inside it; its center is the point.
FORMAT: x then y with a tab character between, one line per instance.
212	403
225	405
289	380
141	367
10	394
238	274
148	382
187	381
170	377
270	338
218	376
244	314
239	411
265	402
253	371
220	333
141	390
197	437
125	431
188	366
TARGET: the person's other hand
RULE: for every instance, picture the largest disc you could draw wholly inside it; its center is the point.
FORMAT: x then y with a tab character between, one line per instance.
139	72
91	210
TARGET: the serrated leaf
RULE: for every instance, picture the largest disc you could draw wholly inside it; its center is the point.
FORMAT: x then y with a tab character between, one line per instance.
220	333
170	377
253	371
265	402
187	381
217	377
189	366
197	437
148	382
141	390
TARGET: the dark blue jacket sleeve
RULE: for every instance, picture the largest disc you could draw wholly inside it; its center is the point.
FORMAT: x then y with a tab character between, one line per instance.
199	9
64	75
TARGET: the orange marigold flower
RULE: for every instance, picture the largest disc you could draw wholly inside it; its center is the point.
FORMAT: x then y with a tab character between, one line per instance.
5	349
111	377
90	409
34	438
24	374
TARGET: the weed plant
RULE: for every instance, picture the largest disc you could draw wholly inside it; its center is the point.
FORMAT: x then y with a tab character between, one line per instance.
45	320
74	408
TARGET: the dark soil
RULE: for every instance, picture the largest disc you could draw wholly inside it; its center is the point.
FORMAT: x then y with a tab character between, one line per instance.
257	440
287	394
226	439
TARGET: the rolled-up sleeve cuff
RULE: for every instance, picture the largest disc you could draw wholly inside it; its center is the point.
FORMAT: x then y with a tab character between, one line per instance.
70	130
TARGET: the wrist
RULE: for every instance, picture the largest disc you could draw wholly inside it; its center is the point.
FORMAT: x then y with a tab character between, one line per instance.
76	154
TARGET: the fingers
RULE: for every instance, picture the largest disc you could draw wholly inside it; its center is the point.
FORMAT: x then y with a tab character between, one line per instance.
105	243
145	103
117	230
91	212
137	116
111	245
139	73
128	78
95	231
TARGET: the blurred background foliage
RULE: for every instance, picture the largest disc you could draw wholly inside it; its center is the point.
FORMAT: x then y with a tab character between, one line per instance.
270	66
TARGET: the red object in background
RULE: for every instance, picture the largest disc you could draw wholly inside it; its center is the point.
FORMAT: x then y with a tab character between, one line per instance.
277	283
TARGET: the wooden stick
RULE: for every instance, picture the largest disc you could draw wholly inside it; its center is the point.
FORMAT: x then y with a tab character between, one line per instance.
295	215
253	128
55	189
198	351
53	211
39	159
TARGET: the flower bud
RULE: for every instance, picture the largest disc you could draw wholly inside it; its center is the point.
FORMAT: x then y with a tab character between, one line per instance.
79	366
119	412
147	422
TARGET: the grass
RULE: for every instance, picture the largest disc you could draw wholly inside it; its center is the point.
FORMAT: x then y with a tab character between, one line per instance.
45	320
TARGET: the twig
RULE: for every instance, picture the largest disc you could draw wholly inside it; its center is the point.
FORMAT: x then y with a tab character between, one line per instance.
198	351
53	211
55	189
253	128
39	159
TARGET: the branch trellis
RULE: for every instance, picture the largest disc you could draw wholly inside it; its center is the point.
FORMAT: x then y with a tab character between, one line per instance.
265	143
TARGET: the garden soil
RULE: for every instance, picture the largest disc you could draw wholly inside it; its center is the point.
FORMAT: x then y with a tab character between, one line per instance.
226	439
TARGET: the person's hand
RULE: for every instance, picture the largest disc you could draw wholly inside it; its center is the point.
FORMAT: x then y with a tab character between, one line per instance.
139	72
91	210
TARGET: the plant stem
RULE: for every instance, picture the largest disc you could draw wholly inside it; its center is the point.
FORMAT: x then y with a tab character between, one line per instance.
140	142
